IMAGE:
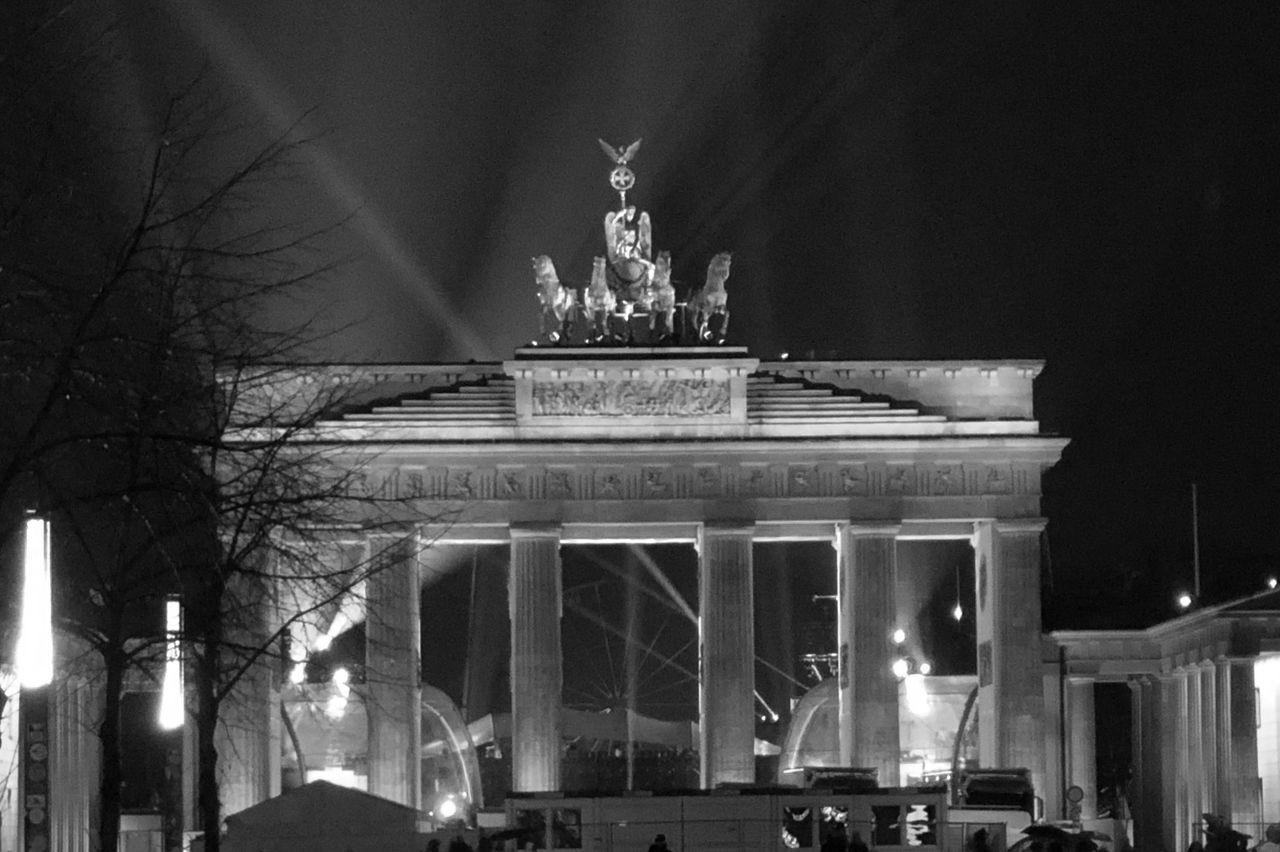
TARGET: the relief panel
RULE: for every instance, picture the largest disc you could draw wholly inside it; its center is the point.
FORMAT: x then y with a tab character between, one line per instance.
681	398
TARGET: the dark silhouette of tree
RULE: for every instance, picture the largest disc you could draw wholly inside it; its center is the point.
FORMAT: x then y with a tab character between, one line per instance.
155	410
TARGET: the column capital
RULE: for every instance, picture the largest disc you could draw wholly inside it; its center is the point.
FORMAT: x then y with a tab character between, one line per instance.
1019	526
727	527
868	529
539	531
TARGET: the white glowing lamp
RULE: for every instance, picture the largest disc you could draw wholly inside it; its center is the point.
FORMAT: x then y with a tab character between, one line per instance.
958	612
917	694
1271	582
35	640
899	636
900	668
1184	600
172	713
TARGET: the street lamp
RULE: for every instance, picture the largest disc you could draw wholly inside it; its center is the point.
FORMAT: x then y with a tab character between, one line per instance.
35	641
34	660
172	712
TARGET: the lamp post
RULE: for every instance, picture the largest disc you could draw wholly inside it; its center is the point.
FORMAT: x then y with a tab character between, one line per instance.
35	673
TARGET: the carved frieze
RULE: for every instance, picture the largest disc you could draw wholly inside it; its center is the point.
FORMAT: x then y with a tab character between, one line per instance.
633	398
702	480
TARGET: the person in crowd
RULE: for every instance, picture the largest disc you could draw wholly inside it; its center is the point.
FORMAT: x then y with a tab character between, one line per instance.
1272	841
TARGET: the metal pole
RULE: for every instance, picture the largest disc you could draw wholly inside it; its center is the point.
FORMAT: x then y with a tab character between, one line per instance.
1195	540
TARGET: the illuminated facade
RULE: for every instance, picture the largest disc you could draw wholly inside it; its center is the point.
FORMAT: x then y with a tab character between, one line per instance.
715	449
1205	702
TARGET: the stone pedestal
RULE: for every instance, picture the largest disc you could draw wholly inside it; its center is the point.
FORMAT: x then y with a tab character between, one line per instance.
1010	697
1082	741
393	670
536	666
726	634
866	578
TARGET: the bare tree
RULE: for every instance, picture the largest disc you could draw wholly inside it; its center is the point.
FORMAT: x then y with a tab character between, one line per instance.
161	417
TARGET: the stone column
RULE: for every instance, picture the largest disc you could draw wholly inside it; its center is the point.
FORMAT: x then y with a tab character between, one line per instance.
1172	753
1193	778
1011	702
726	658
867	568
246	735
1145	771
393	668
1207	676
537	674
1239	787
1082	741
1184	800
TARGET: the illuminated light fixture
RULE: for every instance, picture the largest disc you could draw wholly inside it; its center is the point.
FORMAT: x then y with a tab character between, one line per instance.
447	808
34	654
958	612
336	706
917	695
298	674
925	668
341	678
1185	600
899	636
900	668
1271	582
171	710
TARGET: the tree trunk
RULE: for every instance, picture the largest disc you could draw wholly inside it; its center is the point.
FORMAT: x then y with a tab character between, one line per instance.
109	735
207	710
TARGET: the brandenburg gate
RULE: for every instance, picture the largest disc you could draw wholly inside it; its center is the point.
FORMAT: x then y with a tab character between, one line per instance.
641	425
710	446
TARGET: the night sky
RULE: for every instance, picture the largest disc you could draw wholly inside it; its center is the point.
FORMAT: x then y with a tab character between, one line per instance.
1094	184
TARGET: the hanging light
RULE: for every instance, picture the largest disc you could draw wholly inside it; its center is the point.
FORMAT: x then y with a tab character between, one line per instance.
172	712
34	655
958	612
899	636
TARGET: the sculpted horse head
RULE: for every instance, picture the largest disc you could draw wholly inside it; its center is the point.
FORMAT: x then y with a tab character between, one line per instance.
717	274
544	274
